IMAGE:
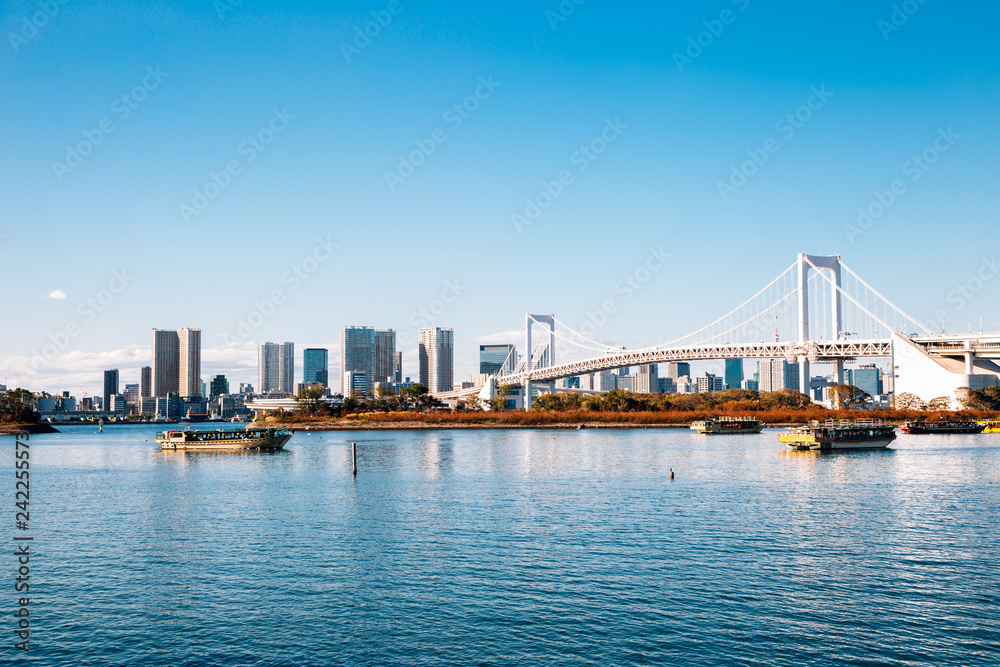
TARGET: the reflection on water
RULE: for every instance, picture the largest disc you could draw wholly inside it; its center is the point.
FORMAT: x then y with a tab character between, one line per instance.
515	547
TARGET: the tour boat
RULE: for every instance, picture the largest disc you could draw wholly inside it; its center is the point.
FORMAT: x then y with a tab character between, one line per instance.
839	435
263	439
991	426
728	426
942	427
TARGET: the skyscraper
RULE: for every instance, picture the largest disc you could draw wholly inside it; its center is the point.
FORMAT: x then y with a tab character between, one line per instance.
275	367
145	381
437	358
385	356
647	379
110	386
676	369
316	366
868	378
497	359
778	374
399	366
189	362
166	362
357	353
734	373
219	386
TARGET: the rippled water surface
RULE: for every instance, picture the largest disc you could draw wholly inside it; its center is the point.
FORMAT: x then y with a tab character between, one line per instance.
512	547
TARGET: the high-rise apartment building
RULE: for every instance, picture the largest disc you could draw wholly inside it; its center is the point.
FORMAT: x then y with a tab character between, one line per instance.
357	353
385	356
647	379
145	381
110	386
437	358
734	373
778	374
399	366
189	362
166	362
275	368
316	366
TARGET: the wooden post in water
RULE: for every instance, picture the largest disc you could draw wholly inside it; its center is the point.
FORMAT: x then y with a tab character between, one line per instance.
354	457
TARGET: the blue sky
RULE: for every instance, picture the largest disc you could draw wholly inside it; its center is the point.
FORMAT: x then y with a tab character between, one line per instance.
329	126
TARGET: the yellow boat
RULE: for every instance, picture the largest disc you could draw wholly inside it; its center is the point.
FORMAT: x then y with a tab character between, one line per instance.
990	426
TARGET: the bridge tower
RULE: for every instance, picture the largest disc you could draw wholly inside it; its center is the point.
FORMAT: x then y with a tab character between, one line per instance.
832	264
550	322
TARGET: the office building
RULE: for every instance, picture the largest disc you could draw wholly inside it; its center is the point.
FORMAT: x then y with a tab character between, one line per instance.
399	366
275	368
436	348
625	382
666	385
600	381
131	397
117	405
647	379
110	386
189	362
385	356
355	384
246	389
708	383
676	369
868	379
734	373
357	353
219	386
316	366
750	385
145	381
497	359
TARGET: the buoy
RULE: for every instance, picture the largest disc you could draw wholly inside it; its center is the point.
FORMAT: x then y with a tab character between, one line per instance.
671	473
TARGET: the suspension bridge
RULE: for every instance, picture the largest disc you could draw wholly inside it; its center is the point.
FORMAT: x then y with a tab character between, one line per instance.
817	311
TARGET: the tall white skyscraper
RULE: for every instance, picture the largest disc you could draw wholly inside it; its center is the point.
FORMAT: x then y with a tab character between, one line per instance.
778	374
276	367
189	362
385	356
357	353
437	358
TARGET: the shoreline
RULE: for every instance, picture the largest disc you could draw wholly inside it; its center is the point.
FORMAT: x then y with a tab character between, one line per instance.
20	429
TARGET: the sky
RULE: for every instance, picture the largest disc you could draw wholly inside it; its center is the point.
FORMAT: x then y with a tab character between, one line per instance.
275	171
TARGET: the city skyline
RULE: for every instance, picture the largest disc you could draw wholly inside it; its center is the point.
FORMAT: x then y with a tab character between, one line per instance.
857	139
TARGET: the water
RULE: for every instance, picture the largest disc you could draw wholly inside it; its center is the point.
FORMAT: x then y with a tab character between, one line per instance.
511	547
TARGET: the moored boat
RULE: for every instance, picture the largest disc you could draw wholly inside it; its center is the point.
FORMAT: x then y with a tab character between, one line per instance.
262	439
840	435
942	427
728	426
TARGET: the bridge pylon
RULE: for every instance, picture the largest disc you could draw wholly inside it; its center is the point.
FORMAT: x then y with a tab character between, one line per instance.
830	263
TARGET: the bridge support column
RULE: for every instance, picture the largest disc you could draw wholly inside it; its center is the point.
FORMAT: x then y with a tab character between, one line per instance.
970	363
838	371
527	394
804	381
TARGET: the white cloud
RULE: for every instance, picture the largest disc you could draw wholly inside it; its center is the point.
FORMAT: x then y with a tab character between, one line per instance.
56	294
